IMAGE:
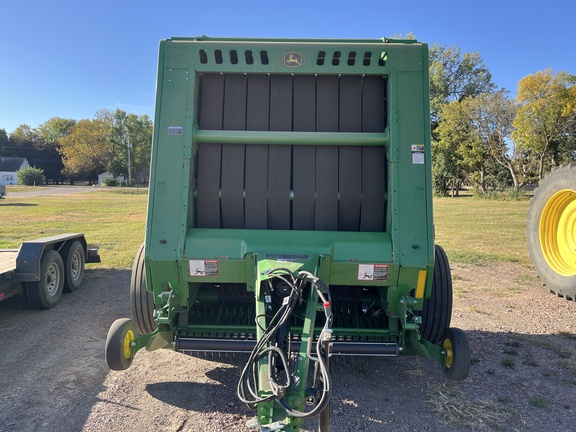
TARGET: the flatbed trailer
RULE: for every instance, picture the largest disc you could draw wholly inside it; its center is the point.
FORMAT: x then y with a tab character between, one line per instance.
42	269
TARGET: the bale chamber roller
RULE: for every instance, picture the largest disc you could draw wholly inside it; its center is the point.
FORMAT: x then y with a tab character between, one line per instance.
290	217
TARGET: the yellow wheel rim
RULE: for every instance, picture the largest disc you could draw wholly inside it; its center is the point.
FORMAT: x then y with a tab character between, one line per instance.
449	352
557	232
127	339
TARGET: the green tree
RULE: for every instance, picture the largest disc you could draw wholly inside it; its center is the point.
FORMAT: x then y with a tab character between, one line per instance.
26	143
4	143
55	128
132	139
455	76
453	133
546	119
492	116
474	136
87	150
31	176
51	132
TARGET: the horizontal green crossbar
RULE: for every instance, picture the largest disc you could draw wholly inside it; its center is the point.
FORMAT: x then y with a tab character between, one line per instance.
291	138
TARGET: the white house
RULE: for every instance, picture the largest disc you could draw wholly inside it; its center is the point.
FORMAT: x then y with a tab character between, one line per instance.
9	166
103	176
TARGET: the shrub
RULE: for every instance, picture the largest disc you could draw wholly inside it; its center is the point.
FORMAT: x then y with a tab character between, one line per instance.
110	181
31	176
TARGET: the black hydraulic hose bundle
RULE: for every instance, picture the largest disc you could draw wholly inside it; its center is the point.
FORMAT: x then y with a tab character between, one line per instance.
247	385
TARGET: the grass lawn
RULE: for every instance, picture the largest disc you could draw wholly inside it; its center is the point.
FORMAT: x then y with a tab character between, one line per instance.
470	230
112	218
474	230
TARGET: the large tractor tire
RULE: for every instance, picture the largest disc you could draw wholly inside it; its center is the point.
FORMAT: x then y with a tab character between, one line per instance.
552	231
437	310
141	300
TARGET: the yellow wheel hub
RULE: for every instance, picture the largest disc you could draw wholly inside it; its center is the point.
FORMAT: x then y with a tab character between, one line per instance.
557	232
127	339
449	352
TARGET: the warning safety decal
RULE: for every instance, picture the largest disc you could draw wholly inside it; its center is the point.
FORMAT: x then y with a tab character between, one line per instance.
418	154
203	268
377	272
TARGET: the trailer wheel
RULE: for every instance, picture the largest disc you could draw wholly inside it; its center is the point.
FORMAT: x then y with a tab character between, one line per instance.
457	354
74	262
551	235
47	291
118	350
437	310
141	299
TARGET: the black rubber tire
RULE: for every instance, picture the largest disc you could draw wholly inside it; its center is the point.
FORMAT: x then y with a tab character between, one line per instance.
459	365
437	310
121	333
560	178
141	300
74	259
45	293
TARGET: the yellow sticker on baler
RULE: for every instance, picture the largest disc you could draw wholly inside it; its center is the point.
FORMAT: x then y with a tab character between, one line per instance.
377	272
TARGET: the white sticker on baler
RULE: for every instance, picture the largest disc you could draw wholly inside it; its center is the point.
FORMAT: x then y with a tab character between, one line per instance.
203	267
418	154
377	272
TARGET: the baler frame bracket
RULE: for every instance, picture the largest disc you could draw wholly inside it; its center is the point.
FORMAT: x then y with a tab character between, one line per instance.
281	406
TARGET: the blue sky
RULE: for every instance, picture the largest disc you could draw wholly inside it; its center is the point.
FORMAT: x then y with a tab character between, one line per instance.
72	58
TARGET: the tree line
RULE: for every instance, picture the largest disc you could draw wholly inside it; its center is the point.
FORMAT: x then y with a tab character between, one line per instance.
67	150
480	136
483	138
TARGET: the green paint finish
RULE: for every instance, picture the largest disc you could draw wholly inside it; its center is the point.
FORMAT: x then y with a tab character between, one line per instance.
372	268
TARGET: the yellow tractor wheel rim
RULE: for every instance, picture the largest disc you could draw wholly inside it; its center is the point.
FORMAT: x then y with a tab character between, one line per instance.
127	339
557	232
449	353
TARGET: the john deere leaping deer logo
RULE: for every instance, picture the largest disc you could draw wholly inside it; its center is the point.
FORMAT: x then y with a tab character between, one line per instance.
292	59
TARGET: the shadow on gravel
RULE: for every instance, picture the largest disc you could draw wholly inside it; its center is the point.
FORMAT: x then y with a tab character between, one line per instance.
53	370
53	365
192	395
516	382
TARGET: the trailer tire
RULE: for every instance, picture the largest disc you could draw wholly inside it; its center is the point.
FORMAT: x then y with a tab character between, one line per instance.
141	299
457	354
46	292
437	310
74	259
118	344
551	239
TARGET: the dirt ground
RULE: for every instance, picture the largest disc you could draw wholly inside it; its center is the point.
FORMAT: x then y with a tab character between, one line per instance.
53	375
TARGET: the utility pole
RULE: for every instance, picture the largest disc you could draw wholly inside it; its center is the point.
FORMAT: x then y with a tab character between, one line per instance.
129	159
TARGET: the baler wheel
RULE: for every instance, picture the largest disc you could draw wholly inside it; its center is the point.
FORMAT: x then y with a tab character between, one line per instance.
141	299
457	354
551	231
74	262
47	291
120	336
437	310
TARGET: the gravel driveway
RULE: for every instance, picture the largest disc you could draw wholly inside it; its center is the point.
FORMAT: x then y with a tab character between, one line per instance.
523	375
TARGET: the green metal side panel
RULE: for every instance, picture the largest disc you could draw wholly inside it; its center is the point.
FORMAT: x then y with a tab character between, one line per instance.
170	175
271	155
171	237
